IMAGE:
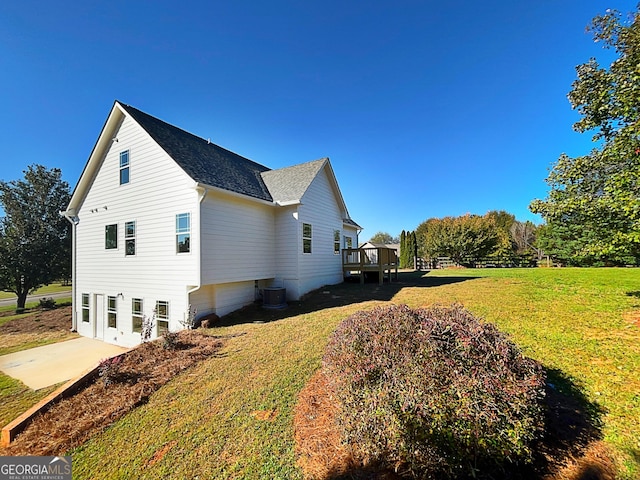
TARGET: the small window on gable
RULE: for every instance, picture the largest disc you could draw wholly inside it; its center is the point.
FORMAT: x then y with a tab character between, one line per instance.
111	236
124	167
183	233
162	316
336	242
85	307
130	238
136	315
306	238
111	312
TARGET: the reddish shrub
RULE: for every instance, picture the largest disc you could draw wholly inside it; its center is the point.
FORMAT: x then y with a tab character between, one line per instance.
433	391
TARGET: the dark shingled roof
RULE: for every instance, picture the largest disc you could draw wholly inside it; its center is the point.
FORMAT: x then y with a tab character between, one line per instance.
203	161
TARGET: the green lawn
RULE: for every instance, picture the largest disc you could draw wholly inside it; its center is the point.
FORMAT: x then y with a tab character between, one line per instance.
203	423
47	289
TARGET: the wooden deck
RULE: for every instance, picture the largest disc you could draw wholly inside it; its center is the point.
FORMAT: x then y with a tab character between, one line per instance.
361	260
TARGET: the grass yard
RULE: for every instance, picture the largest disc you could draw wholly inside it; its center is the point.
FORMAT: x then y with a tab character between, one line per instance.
231	416
46	290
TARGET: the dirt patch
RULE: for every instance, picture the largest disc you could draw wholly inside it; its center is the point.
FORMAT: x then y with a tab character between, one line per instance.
124	384
633	318
39	327
38	321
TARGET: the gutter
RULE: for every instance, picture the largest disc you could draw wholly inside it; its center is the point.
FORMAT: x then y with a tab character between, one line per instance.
202	193
74	220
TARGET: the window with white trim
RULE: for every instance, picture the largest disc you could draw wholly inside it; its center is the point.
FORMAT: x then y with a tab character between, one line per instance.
124	167
85	307
111	236
136	315
162	316
183	233
111	312
130	238
306	238
336	242
348	242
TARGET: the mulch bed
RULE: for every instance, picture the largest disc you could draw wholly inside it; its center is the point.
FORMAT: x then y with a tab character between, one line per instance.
132	380
570	449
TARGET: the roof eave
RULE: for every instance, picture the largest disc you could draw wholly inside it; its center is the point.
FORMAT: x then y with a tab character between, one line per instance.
211	188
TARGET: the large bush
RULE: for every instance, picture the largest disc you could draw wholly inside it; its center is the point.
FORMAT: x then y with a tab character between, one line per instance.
433	391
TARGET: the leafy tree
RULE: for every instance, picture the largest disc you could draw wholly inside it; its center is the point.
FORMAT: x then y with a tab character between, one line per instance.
597	195
503	221
568	243
463	239
35	241
383	237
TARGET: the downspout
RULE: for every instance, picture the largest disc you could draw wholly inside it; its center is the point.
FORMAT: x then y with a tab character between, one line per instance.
74	220
202	193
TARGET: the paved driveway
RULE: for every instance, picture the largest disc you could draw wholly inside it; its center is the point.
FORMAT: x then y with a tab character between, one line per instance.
41	367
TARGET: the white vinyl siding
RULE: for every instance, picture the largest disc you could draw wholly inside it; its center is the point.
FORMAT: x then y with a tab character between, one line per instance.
161	190
320	209
238	238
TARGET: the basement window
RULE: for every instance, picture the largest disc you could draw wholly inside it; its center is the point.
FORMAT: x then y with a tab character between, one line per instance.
111	312
306	238
162	316
85	307
136	315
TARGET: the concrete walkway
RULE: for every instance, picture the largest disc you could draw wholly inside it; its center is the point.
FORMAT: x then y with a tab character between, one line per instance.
41	367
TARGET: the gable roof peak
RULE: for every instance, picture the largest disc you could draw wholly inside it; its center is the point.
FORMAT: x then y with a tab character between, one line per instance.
204	161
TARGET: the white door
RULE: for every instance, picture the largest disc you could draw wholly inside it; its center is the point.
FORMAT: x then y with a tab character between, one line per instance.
98	315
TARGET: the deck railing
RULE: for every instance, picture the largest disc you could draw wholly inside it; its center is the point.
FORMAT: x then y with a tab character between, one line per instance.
372	259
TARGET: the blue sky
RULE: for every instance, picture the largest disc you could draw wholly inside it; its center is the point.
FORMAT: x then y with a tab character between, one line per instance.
425	108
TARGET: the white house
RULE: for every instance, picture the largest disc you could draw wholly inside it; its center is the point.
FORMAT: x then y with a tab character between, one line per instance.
164	220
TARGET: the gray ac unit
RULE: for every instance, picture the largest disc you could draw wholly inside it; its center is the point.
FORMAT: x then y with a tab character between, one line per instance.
274	297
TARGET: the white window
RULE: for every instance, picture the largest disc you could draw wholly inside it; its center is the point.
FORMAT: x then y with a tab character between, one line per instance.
111	236
85	307
111	312
336	242
183	232
348	242
124	167
306	238
162	316
130	238
136	315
